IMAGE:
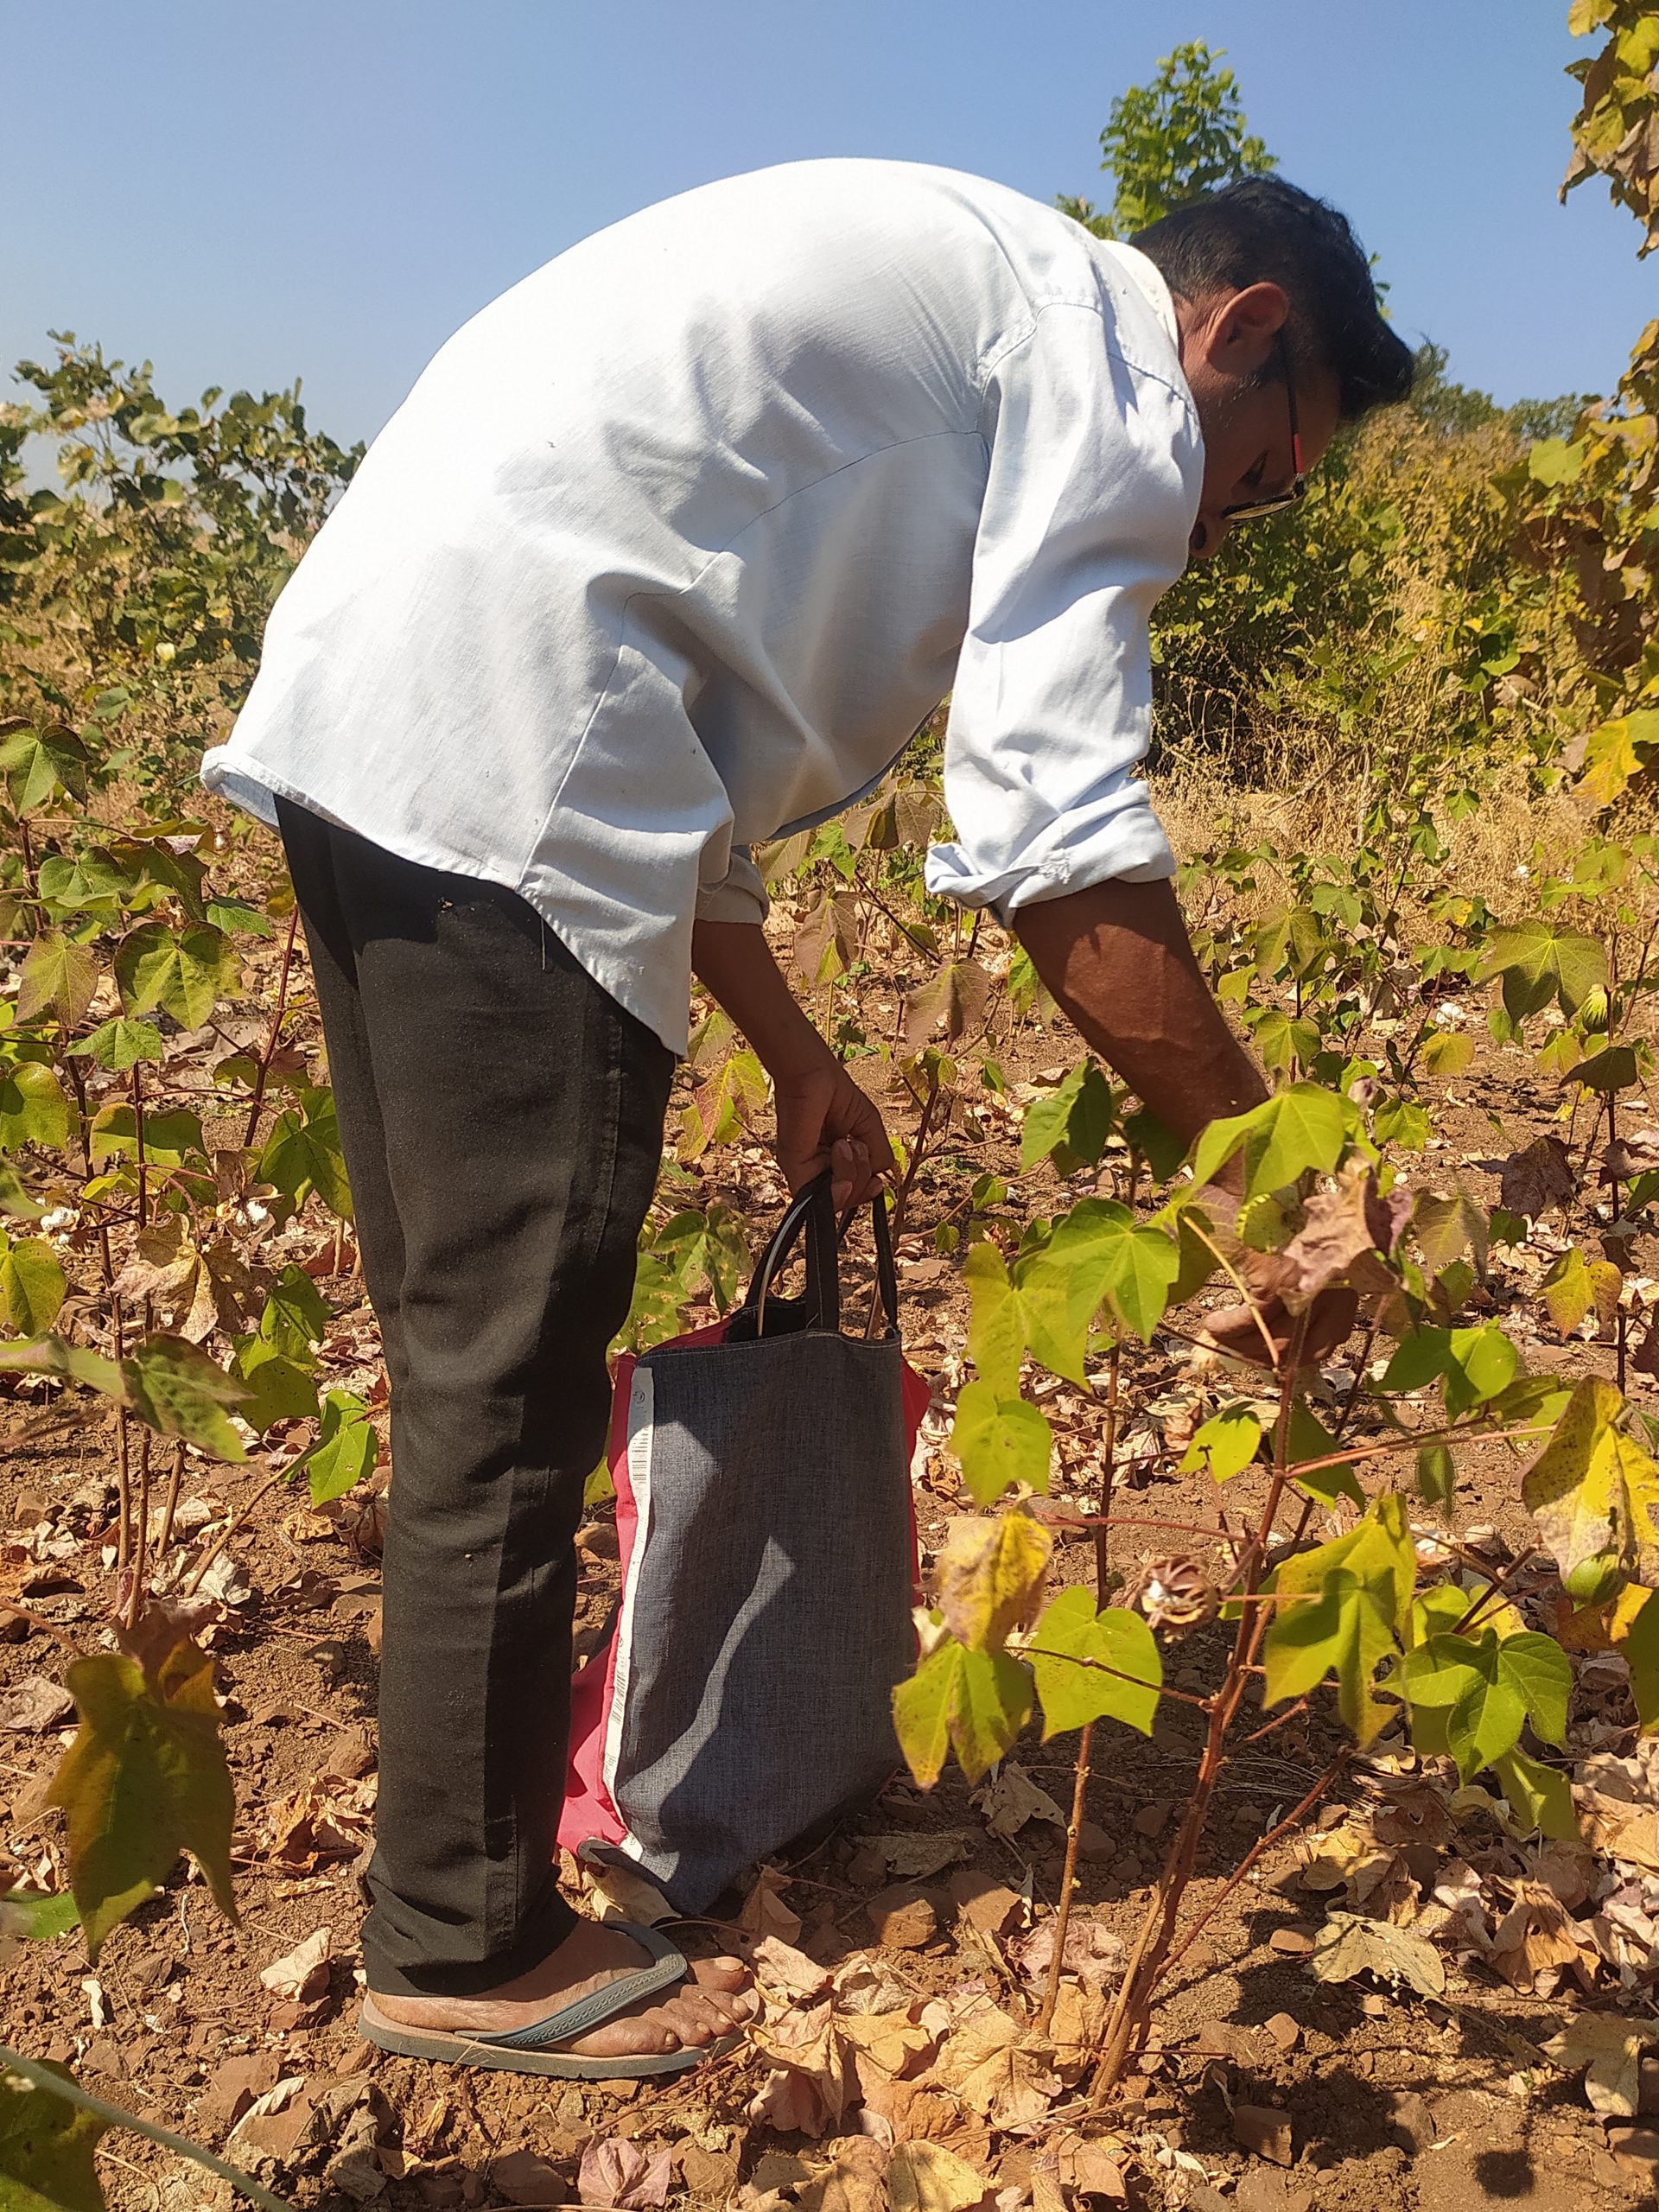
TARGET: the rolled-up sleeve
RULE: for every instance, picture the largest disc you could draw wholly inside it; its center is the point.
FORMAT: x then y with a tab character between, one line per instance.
740	897
1095	465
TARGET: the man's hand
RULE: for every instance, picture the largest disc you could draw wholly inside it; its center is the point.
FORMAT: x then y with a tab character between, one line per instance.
825	1121
823	1118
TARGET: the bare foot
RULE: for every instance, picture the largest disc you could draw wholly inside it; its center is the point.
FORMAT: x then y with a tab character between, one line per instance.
713	2000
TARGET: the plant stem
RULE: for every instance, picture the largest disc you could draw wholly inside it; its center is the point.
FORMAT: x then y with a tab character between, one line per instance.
1068	1880
262	1073
1150	1957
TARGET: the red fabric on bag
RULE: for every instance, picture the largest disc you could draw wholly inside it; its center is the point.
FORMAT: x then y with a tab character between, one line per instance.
588	1815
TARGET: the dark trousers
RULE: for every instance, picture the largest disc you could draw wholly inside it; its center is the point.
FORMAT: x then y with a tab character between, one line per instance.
501	1118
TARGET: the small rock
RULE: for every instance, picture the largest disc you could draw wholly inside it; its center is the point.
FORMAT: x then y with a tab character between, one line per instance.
711	2174
1200	1957
232	2087
1151	1819
33	1705
1648	2098
1635	2150
350	1756
989	1906
1262	2192
1093	1842
867	1869
1605	2173
1291	1942
1264	2129
1373	2007
1284	2031
1409	2116
1227	2039
14	1628
523	2178
902	1915
105	2055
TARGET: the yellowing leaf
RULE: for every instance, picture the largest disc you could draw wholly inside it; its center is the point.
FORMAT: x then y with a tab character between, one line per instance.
991	1575
1349	1944
145	1776
32	1284
1591	1490
1094	1666
59	977
1228	1442
999	1441
175	1388
45	2149
972	1702
926	2177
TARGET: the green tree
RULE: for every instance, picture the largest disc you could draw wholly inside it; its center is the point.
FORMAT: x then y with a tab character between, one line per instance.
1182	136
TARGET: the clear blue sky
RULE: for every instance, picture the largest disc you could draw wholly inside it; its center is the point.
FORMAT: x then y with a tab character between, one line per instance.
325	188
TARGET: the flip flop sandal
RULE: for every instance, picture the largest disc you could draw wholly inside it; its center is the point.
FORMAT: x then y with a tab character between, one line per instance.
525	2050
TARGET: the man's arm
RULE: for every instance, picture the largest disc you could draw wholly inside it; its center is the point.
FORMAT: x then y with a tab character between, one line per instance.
823	1118
1118	960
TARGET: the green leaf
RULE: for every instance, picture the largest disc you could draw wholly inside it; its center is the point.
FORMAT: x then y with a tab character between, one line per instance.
185	973
37	762
1539	1795
1615	1069
997	1334
59	977
144	1778
1566	1292
1309	1438
47	2147
14	1200
1096	1253
40	1915
279	1388
296	1316
1302	1127
303	1154
1461	1679
1342	1607
1437	1475
999	1441
1552	461
33	1109
52	1355
347	1450
1339	1628
1641	1650
1446	1228
1480	1363
1593	1490
1155	1141
1069	1127
1447	1052
1227	1442
175	1388
972	1702
171	1136
1538	963
1072	1645
1537	1668
121	1043
32	1284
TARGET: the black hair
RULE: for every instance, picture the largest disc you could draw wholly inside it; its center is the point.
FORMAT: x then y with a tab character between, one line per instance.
1263	230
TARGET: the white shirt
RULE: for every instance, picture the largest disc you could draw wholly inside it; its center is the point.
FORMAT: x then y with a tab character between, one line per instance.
674	546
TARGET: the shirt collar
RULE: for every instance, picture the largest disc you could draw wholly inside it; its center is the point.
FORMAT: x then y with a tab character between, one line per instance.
1148	280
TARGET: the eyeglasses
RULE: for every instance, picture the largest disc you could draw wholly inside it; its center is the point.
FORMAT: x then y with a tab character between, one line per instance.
1298	489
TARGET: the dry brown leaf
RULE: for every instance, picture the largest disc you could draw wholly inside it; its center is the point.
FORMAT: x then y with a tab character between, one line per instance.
1012	1799
1077	2029
1349	1944
1533	1180
893	2043
621	1893
997	2068
615	2172
763	1910
324	1820
1629	1832
1344	1226
1093	1953
303	1973
1094	2169
1610	2049
784	1971
1535	1937
926	2177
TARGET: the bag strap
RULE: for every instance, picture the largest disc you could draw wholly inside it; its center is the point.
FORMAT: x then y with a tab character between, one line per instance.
812	1208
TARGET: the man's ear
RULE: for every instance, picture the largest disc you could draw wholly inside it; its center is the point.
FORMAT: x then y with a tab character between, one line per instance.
1243	328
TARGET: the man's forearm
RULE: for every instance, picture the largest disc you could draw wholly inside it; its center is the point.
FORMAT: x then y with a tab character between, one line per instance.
1118	960
733	964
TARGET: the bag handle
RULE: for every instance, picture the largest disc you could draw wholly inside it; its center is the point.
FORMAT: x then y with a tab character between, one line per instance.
813	1208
